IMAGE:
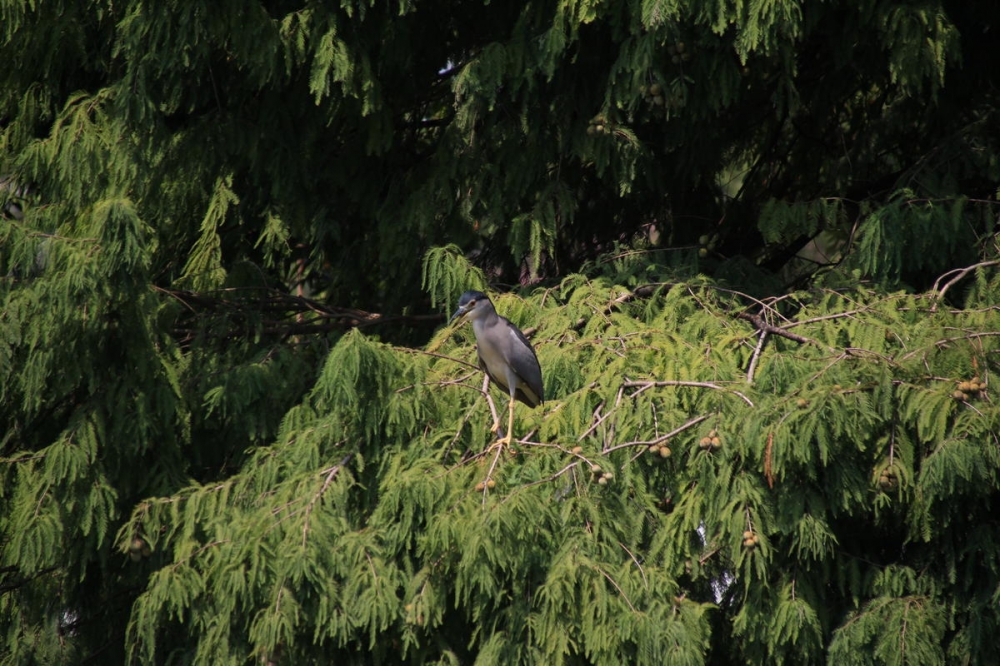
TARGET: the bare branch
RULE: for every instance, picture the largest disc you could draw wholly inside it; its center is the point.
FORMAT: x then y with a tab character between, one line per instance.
756	356
959	274
813	320
662	438
765	327
644	385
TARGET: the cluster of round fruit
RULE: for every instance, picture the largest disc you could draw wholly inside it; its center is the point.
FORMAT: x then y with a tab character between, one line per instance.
599	124
887	478
483	485
602	477
413	617
139	548
678	53
706	244
711	442
660	449
749	539
970	389
653	94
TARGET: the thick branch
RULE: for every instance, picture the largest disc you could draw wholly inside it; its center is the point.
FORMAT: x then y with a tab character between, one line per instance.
765	327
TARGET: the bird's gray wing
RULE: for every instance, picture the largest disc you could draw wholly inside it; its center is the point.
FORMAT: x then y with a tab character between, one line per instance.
527	368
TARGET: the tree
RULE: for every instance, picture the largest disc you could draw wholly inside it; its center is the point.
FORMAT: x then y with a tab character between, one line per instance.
762	248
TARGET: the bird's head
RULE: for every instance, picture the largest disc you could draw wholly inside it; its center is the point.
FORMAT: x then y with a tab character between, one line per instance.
472	305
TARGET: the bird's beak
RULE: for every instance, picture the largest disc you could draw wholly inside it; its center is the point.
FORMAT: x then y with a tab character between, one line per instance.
458	313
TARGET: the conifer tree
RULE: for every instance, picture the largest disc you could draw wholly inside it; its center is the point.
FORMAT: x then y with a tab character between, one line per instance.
756	252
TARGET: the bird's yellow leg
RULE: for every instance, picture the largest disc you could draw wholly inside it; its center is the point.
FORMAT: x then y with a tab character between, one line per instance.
505	440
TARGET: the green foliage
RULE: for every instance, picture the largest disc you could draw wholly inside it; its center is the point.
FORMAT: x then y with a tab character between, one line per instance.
447	274
363	527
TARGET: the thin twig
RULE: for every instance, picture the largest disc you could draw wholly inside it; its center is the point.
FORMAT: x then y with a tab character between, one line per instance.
960	273
768	460
620	590
813	320
326	484
409	350
644	385
634	559
489	400
598	420
662	438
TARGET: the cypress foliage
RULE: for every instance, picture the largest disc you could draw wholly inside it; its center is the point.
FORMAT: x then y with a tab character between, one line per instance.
761	244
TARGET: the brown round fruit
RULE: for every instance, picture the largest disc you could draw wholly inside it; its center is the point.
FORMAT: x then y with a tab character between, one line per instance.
748	534
958	395
655	89
577	450
887	480
480	487
602	481
716	443
665	452
491	483
802	403
653	448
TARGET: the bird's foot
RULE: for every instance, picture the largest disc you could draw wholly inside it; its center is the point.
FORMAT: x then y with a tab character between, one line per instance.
503	442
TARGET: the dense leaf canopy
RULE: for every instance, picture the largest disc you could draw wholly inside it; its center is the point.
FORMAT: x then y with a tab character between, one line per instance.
754	245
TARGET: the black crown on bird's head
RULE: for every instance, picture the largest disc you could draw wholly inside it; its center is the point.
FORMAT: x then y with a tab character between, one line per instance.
470	296
472	301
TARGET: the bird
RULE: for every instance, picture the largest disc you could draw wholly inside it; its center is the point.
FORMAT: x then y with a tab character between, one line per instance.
505	355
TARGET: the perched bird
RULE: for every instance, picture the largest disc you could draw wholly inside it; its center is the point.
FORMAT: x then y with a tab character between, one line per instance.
504	354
